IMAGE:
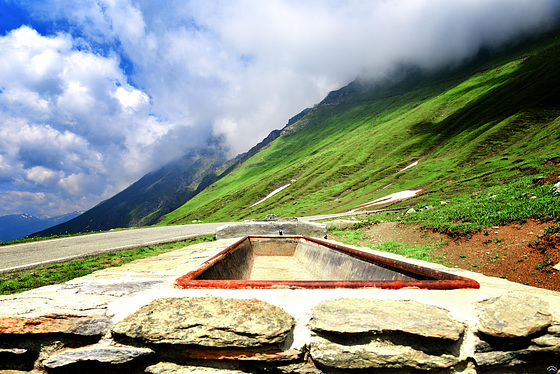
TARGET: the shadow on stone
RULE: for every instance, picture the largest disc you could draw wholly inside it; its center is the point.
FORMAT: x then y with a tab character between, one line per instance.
429	346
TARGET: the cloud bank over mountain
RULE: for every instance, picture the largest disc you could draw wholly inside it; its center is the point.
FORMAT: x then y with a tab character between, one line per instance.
95	93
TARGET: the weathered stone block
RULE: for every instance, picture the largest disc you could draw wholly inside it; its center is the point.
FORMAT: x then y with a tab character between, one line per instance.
513	316
534	356
376	354
170	368
97	352
554	330
547	341
55	323
208	321
369	334
304	228
357	316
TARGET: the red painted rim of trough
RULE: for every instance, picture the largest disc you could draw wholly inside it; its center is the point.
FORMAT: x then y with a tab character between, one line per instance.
442	281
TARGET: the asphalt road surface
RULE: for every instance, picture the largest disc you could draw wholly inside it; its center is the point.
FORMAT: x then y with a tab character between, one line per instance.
29	255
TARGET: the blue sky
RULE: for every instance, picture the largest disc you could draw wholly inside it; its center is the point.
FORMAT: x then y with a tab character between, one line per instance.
96	93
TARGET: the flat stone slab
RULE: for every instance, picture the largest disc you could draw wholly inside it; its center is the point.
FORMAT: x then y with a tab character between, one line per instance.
97	352
171	368
513	316
358	316
55	323
52	300
208	321
376	354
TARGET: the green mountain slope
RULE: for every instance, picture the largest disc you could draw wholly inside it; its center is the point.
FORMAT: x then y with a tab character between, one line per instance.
490	122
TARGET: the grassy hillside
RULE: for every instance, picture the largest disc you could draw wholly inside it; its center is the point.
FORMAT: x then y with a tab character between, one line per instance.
488	123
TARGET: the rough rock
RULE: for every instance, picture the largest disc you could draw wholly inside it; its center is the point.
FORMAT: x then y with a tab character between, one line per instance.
513	316
531	355
170	368
497	358
15	358
547	340
554	330
97	352
306	367
51	300
55	323
253	354
555	189
311	229
208	321
358	316
376	354
14	351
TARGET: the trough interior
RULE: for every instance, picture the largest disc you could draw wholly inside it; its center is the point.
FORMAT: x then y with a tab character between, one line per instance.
296	258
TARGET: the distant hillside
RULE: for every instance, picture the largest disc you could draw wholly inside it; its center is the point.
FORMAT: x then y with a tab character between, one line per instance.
146	200
488	122
17	226
160	192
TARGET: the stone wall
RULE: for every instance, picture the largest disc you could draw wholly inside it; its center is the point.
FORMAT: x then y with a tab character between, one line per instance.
272	227
131	320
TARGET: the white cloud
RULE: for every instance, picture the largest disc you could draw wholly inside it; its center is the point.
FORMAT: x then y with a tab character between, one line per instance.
39	203
132	100
70	121
42	176
126	86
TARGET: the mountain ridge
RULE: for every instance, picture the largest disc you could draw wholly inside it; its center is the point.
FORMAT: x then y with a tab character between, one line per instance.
17	226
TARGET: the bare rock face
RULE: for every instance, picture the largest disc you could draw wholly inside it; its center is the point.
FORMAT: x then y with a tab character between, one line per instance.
513	316
392	334
209	322
98	352
376	316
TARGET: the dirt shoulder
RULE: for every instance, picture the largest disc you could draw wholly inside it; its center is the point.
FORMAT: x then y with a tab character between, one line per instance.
522	253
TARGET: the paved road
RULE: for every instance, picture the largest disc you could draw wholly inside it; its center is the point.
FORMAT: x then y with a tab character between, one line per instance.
29	255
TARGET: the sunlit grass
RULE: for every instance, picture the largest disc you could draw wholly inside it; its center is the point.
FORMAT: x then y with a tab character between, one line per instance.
424	252
16	282
498	205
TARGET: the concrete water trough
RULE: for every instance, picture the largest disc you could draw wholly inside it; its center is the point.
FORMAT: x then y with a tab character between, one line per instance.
304	262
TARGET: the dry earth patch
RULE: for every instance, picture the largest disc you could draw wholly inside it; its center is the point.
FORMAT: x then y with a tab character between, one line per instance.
519	252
